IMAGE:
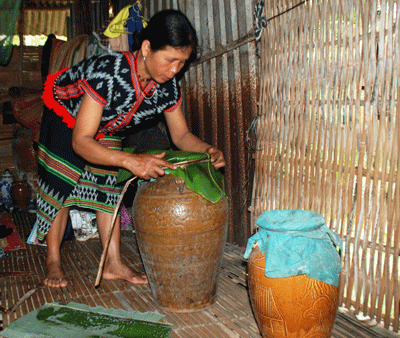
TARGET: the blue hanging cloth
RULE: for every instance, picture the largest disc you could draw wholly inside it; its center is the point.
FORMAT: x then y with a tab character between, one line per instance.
297	242
134	22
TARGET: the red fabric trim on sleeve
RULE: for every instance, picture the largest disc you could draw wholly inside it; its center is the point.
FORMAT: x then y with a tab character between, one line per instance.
52	103
176	105
93	94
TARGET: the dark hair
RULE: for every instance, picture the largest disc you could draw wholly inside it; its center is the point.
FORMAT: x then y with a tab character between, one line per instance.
168	27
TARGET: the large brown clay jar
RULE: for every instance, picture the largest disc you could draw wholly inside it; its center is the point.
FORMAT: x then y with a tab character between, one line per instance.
181	238
295	307
21	194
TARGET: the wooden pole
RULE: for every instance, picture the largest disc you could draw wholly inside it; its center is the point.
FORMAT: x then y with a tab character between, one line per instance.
83	17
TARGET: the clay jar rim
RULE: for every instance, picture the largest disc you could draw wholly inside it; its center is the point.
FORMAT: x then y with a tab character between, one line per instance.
17	182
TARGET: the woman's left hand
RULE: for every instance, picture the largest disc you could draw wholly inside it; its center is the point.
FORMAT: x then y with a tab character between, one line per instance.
217	157
185	140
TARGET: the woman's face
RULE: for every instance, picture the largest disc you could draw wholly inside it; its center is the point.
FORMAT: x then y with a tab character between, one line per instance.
164	64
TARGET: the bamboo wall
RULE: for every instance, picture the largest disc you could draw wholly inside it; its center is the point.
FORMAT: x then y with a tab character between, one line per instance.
328	135
221	91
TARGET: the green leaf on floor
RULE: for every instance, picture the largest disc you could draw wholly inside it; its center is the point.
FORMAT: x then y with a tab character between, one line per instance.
78	320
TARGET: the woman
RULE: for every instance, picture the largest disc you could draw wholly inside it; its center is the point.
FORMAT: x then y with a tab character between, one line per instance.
90	105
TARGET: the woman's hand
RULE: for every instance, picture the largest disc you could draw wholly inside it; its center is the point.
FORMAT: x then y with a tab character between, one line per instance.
186	141
87	123
217	157
147	166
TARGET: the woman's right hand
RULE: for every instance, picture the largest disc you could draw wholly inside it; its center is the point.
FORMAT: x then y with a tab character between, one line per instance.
87	123
147	166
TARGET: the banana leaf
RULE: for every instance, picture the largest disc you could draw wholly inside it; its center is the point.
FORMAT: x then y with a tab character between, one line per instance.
200	177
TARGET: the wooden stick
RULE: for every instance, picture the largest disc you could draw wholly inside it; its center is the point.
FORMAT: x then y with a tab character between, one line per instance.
111	229
21	300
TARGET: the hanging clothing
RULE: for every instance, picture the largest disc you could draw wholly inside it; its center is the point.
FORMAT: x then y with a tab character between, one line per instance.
117	25
128	20
8	18
119	44
134	22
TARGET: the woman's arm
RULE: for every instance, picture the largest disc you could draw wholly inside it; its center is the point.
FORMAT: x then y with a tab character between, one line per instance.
84	144
186	141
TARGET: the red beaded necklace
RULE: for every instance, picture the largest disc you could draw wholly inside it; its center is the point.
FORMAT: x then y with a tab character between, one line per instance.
143	80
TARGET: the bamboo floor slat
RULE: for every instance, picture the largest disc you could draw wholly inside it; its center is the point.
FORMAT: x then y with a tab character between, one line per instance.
229	316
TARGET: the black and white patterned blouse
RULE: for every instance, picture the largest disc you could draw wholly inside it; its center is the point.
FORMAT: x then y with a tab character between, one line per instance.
113	82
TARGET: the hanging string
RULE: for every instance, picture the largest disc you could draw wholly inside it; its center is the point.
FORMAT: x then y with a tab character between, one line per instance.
260	22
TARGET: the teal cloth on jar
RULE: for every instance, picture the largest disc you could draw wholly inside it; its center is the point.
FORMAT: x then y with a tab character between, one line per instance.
297	242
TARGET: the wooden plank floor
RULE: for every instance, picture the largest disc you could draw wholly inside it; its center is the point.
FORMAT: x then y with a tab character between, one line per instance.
230	316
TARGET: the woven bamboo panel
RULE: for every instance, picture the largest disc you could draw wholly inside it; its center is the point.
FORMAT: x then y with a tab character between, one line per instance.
328	135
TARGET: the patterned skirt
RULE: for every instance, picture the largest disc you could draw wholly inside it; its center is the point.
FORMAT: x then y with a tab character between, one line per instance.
65	179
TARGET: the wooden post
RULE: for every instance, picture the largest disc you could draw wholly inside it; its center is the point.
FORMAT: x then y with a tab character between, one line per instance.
104	15
83	17
21	29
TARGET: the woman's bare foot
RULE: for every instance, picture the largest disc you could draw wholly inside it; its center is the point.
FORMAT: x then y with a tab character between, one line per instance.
121	271
55	277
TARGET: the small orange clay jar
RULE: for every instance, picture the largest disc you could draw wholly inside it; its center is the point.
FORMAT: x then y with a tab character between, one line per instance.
21	194
294	307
